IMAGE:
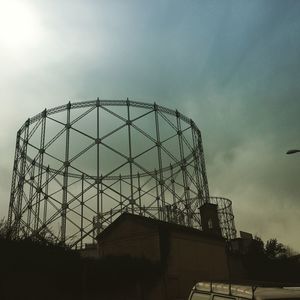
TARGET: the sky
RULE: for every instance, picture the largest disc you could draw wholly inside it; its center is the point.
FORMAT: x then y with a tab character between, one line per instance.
231	66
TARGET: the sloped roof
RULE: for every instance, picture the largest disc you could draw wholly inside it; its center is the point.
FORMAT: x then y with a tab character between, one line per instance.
157	224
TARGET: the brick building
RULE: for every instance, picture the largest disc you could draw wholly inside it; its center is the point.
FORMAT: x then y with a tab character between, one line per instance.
186	255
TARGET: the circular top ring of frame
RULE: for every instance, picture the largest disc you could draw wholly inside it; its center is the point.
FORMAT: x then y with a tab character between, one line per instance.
84	104
107	103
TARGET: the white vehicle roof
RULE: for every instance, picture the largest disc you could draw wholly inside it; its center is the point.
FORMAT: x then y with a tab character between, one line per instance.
276	293
247	291
224	288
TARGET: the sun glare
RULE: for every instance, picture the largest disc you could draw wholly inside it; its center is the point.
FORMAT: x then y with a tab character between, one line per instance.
19	26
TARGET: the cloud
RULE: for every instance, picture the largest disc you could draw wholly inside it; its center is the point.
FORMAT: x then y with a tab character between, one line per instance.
233	68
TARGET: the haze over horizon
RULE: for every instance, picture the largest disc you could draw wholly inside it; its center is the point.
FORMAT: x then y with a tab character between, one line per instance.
231	66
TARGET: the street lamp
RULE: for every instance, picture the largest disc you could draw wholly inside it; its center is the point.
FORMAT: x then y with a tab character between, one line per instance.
292	151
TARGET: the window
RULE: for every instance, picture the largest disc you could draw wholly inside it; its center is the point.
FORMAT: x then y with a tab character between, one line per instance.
200	296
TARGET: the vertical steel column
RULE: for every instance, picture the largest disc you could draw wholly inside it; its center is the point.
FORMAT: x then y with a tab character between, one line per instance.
197	165
81	209
196	158
173	185
157	195
40	170
65	184
98	161
160	166
18	215
120	189
183	169
130	159
31	194
100	215
139	192
46	196
14	180
203	169
94	225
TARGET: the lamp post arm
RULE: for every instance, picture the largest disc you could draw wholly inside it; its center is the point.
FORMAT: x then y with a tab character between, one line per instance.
292	151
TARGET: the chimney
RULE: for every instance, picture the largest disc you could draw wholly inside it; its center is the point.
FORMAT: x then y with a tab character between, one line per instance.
209	218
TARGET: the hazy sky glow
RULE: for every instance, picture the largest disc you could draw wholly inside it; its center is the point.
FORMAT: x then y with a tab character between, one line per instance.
232	66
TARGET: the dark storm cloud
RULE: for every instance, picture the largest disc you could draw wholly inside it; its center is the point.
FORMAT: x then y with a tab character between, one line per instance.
232	66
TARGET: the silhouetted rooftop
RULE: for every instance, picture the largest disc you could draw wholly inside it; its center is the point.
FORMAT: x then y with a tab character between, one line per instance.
168	226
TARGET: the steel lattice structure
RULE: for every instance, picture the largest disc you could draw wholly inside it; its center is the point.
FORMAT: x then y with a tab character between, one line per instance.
78	166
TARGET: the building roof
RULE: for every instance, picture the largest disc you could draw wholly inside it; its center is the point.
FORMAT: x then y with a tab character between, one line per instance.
159	225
